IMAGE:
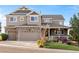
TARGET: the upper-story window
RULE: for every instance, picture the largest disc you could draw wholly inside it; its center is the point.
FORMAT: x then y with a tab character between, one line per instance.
34	19
13	19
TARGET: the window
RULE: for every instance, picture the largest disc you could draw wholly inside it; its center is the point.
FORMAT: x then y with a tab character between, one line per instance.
12	19
34	18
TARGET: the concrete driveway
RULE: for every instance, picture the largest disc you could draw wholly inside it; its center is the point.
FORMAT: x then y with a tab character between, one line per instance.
27	47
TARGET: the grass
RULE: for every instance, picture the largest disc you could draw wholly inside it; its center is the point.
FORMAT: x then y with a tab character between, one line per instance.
54	45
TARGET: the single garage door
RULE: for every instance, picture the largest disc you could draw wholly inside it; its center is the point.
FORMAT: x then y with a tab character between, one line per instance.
11	35
28	36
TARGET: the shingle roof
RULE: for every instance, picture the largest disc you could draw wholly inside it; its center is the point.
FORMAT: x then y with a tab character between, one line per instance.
22	10
54	17
34	13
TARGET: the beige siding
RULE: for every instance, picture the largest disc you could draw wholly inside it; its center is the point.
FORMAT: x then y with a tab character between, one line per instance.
33	23
58	22
50	20
19	22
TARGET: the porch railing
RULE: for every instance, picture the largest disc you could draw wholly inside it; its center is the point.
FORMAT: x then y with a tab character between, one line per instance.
57	36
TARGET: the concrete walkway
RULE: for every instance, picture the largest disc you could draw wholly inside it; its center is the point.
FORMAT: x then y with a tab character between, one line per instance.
27	47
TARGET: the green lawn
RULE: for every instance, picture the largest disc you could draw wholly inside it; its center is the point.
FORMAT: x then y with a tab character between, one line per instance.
54	45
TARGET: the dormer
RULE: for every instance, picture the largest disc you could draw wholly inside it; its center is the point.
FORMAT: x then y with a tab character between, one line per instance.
34	18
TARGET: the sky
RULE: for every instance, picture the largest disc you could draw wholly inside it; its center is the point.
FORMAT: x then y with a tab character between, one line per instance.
66	10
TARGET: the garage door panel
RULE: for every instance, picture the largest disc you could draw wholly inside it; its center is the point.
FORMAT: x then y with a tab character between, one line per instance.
28	36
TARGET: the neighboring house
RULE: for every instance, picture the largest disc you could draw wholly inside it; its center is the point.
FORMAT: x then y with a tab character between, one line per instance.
26	25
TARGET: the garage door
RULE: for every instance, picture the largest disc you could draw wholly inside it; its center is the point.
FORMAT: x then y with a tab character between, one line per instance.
11	35
28	36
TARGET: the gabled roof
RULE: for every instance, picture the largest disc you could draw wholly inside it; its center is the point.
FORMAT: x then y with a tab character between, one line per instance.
34	13
25	11
54	17
22	10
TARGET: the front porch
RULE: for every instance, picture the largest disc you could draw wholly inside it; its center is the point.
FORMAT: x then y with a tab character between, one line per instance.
54	33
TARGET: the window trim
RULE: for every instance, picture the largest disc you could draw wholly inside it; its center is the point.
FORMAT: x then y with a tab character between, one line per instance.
34	16
13	21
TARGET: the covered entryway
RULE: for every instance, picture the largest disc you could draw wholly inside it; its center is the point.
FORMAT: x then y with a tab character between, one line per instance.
56	32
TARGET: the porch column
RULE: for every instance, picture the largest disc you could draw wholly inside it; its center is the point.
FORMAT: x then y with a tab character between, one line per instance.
49	33
59	32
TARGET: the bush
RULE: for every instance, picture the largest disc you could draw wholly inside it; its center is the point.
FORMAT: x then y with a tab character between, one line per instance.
55	40
63	39
69	43
70	37
4	36
72	43
40	42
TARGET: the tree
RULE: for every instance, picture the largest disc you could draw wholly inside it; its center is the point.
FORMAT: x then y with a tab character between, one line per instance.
71	36
4	36
74	22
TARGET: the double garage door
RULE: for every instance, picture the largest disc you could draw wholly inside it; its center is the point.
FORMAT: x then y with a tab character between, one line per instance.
28	36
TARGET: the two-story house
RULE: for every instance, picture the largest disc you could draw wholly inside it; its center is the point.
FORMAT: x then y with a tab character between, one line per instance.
26	25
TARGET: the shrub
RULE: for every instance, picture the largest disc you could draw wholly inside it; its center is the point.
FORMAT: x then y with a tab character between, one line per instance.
40	42
69	43
72	43
70	37
55	40
64	41
4	36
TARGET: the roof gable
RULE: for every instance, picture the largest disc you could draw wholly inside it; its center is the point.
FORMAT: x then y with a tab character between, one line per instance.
34	13
22	10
